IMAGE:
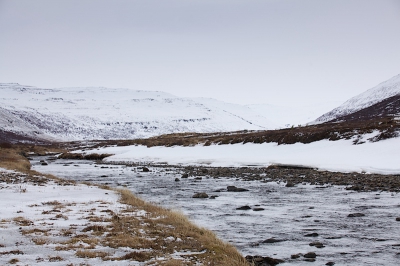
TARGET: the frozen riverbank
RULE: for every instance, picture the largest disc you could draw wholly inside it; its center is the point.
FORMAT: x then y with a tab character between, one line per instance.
342	155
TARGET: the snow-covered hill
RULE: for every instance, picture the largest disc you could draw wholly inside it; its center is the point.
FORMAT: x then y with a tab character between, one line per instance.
104	113
371	97
287	116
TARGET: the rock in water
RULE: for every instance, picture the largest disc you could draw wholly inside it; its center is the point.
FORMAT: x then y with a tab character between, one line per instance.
310	255
236	189
145	169
200	195
356	214
244	208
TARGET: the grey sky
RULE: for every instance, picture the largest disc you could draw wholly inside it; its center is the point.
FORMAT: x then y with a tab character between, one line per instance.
269	51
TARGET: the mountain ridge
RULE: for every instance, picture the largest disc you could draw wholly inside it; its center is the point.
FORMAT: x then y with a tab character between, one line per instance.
375	95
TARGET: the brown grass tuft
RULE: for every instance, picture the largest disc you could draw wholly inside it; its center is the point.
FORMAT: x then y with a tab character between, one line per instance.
91	254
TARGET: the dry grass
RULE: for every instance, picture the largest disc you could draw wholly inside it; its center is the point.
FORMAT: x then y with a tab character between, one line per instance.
13	261
161	224
14	160
157	233
40	240
56	258
91	254
22	221
35	231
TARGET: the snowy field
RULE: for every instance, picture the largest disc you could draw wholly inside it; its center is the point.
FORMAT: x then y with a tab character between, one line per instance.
33	214
379	157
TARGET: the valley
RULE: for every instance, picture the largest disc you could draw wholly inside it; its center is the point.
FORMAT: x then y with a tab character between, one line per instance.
324	191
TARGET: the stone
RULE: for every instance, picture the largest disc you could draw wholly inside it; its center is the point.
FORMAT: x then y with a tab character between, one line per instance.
330	263
317	245
243	208
145	169
398	219
309	259
312	235
200	195
258	209
236	189
272	240
263	261
185	176
310	255
177	180
358	214
289	184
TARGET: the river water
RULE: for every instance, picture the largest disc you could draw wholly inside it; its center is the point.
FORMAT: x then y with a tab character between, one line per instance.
288	214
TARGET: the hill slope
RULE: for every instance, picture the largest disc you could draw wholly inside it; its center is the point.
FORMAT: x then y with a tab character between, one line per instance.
376	95
103	113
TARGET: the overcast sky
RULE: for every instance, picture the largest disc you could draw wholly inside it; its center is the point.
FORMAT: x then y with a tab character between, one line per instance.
268	51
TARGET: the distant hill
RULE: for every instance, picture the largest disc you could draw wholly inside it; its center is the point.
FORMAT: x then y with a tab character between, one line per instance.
104	113
384	96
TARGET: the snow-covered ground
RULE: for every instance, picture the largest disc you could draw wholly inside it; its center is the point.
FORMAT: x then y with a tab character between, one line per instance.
33	212
377	157
58	222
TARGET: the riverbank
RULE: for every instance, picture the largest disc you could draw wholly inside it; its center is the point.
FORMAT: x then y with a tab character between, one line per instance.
51	221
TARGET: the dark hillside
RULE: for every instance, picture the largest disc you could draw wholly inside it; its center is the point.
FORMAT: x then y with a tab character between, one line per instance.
10	137
388	107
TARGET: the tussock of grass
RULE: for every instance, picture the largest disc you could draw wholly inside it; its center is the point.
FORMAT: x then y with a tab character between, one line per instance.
91	254
40	240
137	256
22	221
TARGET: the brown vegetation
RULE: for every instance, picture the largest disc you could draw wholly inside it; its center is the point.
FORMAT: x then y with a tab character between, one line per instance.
80	156
387	126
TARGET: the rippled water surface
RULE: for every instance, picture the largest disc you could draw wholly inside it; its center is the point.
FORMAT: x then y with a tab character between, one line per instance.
289	213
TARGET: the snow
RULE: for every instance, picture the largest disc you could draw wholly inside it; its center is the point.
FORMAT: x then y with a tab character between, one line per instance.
372	96
377	157
33	203
104	113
